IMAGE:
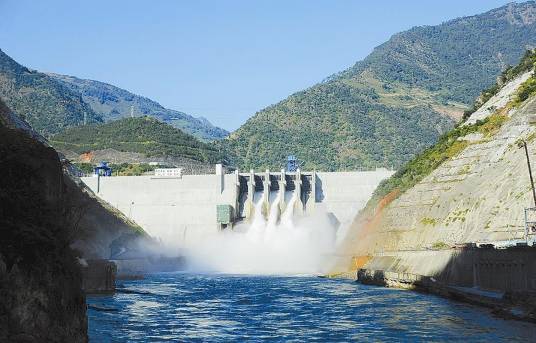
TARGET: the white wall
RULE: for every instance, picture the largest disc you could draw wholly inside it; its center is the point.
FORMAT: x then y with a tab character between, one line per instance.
183	209
345	193
169	208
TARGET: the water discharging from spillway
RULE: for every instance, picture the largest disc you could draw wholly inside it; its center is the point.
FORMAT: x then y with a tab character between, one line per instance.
278	243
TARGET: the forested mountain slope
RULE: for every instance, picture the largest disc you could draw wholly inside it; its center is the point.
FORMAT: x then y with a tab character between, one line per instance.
470	187
394	103
144	135
113	103
46	104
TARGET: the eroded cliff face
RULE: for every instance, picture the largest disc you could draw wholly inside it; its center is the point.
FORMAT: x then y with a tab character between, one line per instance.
478	196
40	284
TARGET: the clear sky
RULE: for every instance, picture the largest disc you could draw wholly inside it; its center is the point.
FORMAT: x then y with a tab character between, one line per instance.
223	60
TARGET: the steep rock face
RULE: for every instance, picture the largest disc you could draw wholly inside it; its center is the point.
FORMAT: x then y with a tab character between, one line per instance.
45	212
96	224
477	196
113	103
394	103
40	284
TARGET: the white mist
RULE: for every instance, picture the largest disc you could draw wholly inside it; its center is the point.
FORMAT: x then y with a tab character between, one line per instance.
281	244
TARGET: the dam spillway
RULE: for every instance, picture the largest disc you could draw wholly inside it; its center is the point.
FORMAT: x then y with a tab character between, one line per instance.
185	208
274	189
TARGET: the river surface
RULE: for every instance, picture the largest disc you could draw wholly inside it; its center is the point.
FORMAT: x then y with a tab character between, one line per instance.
214	307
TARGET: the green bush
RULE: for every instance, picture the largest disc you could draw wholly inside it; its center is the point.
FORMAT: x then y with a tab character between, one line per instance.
527	62
527	89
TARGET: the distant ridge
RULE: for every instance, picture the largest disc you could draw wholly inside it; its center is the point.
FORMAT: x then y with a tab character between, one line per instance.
113	103
52	102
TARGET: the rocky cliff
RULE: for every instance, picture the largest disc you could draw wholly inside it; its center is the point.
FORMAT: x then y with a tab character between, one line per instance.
48	220
40	283
476	196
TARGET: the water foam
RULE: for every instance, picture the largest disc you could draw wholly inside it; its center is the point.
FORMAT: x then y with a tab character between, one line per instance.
282	243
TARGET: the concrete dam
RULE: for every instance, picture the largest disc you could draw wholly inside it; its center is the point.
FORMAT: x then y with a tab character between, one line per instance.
182	208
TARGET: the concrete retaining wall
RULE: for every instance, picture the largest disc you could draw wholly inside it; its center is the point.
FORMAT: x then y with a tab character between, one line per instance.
502	270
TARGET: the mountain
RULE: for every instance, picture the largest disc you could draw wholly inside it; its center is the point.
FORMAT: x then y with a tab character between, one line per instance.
52	102
143	135
397	101
454	215
46	104
114	103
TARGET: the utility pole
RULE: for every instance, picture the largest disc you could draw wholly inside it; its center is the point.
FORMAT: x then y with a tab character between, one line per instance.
524	144
529	225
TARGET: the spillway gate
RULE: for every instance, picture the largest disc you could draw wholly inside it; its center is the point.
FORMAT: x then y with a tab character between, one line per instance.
263	187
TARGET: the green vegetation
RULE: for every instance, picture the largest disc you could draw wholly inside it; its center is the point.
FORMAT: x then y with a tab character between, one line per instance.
389	107
143	135
440	245
113	103
122	169
528	61
527	89
86	168
428	221
128	169
492	124
457	215
47	105
446	148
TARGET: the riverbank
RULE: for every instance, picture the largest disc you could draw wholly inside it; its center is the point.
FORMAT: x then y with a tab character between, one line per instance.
503	280
510	305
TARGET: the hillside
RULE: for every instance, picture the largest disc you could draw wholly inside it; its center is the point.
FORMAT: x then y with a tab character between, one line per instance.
469	188
114	103
393	104
46	104
142	135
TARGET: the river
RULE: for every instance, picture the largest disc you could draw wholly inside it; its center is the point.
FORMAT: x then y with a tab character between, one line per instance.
217	307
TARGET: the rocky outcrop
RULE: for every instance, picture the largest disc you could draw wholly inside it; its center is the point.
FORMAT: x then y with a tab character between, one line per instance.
463	225
478	196
41	299
45	212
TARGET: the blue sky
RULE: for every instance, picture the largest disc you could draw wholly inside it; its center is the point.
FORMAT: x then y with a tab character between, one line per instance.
223	60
